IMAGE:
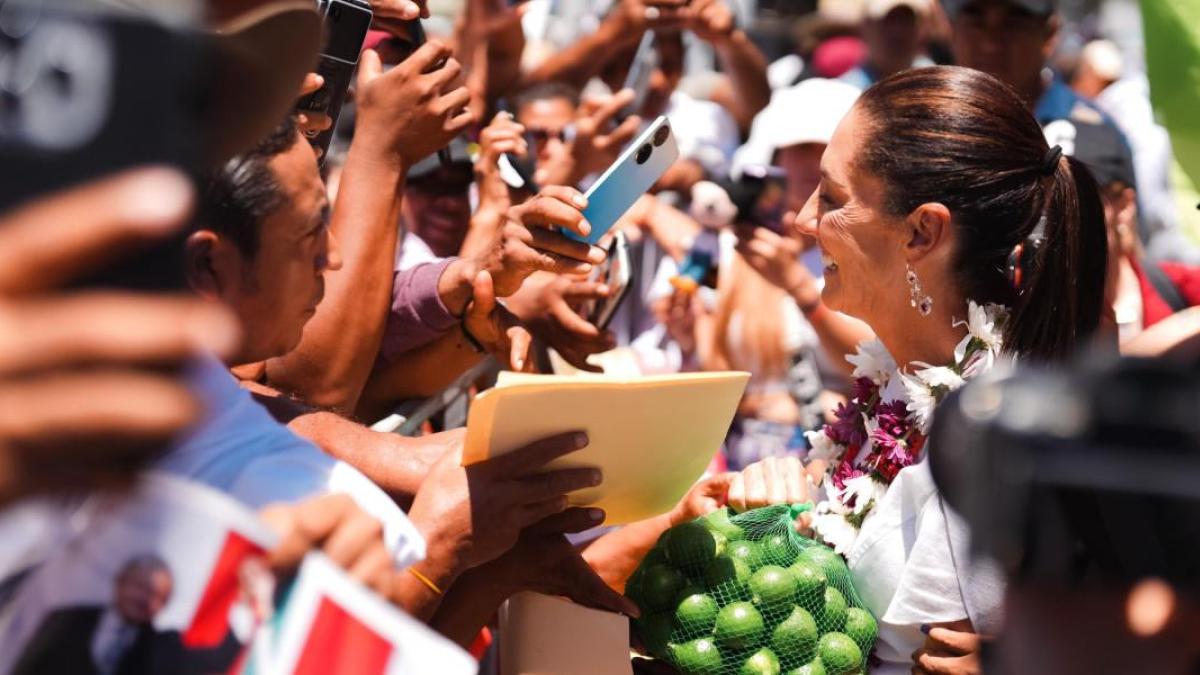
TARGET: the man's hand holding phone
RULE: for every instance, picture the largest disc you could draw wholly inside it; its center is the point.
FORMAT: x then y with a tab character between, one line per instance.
413	109
312	122
550	304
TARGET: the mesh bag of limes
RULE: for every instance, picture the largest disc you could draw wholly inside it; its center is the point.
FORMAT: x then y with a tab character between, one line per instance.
746	594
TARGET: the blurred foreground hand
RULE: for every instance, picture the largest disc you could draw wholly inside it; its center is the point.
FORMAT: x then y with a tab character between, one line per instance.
89	383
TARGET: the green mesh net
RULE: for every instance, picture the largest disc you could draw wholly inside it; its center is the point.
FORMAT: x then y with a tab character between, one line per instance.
747	595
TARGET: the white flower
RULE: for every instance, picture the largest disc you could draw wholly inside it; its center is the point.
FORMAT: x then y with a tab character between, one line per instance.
940	376
873	361
921	401
865	491
835	531
983	324
821	446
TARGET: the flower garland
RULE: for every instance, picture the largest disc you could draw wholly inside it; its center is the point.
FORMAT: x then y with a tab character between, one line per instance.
872	440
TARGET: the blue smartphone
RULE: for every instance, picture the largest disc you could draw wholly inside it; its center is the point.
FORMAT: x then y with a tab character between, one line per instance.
640	165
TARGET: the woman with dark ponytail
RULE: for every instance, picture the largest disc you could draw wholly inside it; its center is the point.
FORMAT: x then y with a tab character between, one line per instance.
950	227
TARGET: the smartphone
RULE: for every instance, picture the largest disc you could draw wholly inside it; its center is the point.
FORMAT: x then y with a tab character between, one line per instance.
517	172
346	26
645	60
640	165
616	273
768	185
80	100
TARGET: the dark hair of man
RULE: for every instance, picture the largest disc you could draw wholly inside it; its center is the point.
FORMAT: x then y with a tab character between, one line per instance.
547	91
238	196
965	139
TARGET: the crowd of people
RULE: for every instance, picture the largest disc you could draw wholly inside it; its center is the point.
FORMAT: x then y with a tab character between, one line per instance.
870	208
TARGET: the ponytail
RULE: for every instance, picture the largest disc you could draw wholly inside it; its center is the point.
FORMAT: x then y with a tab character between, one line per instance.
1059	305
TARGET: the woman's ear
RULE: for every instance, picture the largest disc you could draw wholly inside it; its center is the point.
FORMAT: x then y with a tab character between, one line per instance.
928	230
200	265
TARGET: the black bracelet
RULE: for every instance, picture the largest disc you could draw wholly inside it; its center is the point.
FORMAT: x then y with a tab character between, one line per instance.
471	340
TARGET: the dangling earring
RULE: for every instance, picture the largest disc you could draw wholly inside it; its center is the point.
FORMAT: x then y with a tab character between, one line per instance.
916	297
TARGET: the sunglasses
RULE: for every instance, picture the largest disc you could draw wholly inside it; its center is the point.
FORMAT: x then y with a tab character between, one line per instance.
537	136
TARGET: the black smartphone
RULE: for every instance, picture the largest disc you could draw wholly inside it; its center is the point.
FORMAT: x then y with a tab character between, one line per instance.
645	60
768	187
518	172
79	99
346	26
616	272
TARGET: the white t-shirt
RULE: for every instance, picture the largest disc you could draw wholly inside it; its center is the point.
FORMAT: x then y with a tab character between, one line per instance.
241	450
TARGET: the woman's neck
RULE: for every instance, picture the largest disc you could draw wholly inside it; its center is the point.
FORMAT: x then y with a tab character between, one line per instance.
927	339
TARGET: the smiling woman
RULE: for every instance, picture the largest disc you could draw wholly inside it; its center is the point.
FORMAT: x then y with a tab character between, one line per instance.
948	226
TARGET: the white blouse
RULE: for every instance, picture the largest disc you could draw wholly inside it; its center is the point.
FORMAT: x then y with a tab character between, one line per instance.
910	566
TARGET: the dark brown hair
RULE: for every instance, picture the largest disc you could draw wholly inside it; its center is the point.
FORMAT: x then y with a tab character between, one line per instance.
966	140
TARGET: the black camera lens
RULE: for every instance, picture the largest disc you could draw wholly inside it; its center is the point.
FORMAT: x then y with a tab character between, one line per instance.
643	153
660	136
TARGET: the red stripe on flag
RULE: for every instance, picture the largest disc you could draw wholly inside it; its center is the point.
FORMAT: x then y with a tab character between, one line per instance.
210	623
340	644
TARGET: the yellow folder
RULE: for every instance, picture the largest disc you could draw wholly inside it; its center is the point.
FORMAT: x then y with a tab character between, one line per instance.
652	436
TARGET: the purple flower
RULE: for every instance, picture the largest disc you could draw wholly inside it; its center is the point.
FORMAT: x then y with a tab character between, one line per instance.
892	418
863	389
848	430
844	472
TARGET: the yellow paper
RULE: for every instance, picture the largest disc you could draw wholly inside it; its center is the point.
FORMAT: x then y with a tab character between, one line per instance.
544	635
651	436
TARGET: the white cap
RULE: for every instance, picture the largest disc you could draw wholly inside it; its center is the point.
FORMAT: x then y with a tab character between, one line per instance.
808	112
877	9
1104	58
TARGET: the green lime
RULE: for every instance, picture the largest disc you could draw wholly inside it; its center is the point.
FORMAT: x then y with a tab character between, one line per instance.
660	586
633	585
728	578
830	563
772	587
691	547
698	657
795	638
762	662
839	654
815	667
810	586
777	550
748	551
739	626
696	614
835	610
722	542
655	632
861	628
656	556
718	521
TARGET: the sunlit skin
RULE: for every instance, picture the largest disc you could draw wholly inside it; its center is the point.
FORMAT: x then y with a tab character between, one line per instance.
1002	40
866	250
275	293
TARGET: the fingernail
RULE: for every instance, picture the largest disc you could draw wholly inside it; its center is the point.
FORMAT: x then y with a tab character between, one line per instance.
580	440
925	628
585	228
580	201
602	289
596	254
518	363
596	515
320	81
596	477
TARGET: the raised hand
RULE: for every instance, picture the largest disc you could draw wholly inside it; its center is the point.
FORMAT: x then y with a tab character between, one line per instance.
89	390
595	144
710	20
549	304
472	515
496	329
411	110
529	240
502	136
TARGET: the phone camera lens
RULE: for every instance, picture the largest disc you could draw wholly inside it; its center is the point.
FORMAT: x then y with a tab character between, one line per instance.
661	135
643	153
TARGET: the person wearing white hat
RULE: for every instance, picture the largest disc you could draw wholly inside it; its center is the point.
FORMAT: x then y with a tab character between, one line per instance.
894	32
